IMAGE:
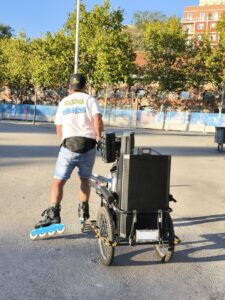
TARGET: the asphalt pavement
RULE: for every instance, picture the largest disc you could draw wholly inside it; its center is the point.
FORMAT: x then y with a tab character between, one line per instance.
68	266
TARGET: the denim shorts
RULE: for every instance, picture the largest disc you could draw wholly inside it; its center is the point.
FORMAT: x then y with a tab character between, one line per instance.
68	160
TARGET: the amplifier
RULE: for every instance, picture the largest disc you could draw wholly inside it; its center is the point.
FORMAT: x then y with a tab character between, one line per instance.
142	184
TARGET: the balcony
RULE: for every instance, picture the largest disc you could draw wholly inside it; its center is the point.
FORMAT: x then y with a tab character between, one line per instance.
193	20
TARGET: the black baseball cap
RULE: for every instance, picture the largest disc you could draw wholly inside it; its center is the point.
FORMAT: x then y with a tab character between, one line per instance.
77	81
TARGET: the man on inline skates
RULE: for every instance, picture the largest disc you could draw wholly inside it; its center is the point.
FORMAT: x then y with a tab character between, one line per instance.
79	127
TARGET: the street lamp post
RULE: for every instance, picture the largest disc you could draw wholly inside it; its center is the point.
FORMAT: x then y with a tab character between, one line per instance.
77	38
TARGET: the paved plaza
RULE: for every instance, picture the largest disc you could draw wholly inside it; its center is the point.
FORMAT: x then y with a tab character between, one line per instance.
68	266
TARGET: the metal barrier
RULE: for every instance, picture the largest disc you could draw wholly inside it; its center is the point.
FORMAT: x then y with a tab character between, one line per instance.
183	121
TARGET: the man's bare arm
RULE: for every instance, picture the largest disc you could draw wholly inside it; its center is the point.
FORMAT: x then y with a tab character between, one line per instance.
59	132
98	126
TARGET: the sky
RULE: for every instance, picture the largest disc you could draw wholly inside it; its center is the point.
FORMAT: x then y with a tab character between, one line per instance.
36	17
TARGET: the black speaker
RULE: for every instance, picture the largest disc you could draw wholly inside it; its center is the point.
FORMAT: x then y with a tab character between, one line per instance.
142	185
108	147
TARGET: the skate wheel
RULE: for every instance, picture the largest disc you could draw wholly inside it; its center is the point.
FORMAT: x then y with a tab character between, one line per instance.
33	236
82	226
51	233
60	231
42	235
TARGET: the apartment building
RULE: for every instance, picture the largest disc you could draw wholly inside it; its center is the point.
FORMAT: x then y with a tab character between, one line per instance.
203	18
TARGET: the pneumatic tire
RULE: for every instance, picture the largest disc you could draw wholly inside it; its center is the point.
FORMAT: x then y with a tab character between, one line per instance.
165	249
106	230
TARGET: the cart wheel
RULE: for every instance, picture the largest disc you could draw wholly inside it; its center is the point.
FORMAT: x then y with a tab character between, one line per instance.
106	230
165	249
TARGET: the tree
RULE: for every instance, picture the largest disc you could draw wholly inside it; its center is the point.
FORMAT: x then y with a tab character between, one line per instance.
220	28
198	69
221	47
16	66
165	46
220	55
105	52
51	60
2	64
141	20
5	31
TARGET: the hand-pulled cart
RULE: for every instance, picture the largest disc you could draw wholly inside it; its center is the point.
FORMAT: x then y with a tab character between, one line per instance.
134	199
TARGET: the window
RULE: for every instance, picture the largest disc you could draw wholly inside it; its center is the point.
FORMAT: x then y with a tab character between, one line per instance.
189	16
202	16
200	26
216	16
213	37
189	28
213	16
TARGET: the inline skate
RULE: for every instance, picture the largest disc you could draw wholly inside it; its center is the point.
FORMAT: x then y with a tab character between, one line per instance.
50	225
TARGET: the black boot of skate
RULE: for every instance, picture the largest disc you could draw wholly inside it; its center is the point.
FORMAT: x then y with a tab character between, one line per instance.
83	214
49	225
50	216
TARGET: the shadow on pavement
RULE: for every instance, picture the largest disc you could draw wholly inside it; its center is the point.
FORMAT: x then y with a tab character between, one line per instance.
205	249
27	151
45	128
183	222
188	151
18	151
88	235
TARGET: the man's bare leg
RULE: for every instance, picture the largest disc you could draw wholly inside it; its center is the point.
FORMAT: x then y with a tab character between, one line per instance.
57	191
85	190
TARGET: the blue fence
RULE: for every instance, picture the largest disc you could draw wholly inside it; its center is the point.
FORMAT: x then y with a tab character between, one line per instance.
185	121
26	112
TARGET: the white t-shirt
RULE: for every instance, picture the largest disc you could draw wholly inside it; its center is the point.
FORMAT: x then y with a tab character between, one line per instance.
75	113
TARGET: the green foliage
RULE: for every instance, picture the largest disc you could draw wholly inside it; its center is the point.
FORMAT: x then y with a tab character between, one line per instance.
221	29
165	46
141	20
198	64
51	60
105	52
2	63
176	63
5	31
106	55
221	47
16	62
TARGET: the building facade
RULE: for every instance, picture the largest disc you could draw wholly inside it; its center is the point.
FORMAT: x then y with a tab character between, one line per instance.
211	2
203	19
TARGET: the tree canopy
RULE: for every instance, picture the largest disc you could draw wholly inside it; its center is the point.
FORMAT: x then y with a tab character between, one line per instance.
106	53
16	65
6	31
105	50
51	60
165	45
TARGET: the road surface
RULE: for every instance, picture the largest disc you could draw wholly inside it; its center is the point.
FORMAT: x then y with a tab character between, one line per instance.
68	266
